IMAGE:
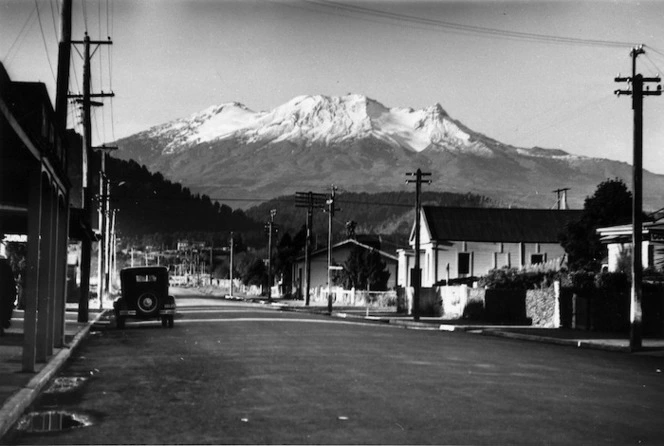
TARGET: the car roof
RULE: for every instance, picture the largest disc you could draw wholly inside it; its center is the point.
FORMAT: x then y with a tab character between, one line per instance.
144	269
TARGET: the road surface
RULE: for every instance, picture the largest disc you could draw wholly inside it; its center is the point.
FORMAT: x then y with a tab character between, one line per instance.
231	372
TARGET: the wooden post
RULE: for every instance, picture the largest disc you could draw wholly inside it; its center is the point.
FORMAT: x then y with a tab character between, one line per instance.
32	273
45	290
61	273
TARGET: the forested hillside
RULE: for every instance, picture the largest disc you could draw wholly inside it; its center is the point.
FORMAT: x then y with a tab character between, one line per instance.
156	211
389	214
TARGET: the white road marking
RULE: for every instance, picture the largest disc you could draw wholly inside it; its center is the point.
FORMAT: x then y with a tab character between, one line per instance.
215	310
274	319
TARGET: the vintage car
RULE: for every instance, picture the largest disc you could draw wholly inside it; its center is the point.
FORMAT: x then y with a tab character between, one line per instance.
144	296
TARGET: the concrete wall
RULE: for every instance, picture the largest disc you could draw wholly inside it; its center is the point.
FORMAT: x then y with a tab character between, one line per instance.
541	306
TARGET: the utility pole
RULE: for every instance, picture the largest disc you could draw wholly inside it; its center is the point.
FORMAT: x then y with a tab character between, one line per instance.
416	275
211	258
64	54
637	93
270	226
561	197
310	201
330	213
114	257
87	103
231	267
104	226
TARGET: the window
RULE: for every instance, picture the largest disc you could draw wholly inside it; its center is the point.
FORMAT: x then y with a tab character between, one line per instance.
463	263
536	258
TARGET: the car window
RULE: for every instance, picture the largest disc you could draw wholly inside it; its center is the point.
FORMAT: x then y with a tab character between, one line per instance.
146	278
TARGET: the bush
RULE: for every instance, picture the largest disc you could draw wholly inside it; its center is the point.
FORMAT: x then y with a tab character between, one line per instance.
617	281
474	310
515	279
581	280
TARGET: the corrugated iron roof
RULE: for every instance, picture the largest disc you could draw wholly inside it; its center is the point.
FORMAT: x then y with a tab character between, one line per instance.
496	224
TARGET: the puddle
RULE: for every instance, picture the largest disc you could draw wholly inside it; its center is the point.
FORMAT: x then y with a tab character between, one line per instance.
64	384
51	421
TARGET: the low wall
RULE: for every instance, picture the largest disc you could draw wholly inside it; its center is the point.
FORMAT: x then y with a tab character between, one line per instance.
609	310
430	302
537	307
543	307
352	297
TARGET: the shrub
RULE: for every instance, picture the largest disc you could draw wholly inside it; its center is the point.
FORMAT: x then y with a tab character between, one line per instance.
618	281
515	279
582	280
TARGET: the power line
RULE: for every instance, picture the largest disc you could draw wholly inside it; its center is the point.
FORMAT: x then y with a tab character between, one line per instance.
470	29
652	62
572	114
655	50
85	15
55	26
18	36
41	28
109	24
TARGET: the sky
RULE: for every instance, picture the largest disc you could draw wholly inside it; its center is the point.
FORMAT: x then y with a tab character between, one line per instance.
526	73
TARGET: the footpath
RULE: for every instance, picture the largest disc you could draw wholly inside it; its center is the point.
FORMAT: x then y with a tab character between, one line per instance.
617	342
18	390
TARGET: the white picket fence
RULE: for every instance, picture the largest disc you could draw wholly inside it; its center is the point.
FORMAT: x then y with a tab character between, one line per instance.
353	297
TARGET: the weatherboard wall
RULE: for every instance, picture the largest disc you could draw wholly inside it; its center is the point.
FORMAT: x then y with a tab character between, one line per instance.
340	254
437	259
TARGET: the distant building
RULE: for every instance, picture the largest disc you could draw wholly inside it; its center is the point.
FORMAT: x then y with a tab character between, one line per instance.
619	243
469	242
340	253
186	245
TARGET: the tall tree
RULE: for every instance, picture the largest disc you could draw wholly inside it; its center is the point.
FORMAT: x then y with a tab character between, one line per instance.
611	204
364	270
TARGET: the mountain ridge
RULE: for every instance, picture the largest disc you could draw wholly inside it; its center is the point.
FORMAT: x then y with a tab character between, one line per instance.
313	141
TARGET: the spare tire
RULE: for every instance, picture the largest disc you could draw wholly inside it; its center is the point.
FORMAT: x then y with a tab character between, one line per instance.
148	304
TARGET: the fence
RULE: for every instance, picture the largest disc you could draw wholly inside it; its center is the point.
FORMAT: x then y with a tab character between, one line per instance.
353	297
221	286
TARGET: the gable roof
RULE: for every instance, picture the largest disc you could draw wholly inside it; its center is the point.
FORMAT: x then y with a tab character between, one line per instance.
351	241
497	224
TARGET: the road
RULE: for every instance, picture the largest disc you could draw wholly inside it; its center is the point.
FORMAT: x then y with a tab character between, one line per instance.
230	372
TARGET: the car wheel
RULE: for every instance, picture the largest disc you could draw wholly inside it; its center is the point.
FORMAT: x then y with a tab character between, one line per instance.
170	321
119	321
164	321
147	303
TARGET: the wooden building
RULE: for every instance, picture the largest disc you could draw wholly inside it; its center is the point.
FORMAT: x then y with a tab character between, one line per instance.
458	243
34	200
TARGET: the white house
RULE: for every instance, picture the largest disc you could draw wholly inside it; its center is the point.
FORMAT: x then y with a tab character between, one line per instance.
340	253
469	242
619	242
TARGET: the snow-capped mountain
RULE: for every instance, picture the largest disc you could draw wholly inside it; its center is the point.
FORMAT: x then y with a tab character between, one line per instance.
316	119
229	151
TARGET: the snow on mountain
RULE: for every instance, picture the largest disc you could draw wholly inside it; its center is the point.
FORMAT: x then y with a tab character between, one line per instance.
320	120
313	141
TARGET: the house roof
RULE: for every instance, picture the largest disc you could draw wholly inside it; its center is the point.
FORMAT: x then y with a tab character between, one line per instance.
623	233
353	242
497	224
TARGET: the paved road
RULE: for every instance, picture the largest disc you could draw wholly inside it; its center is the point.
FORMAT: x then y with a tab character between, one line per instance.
238	373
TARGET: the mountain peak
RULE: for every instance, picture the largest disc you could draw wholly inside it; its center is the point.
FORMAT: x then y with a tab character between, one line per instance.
318	119
315	140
